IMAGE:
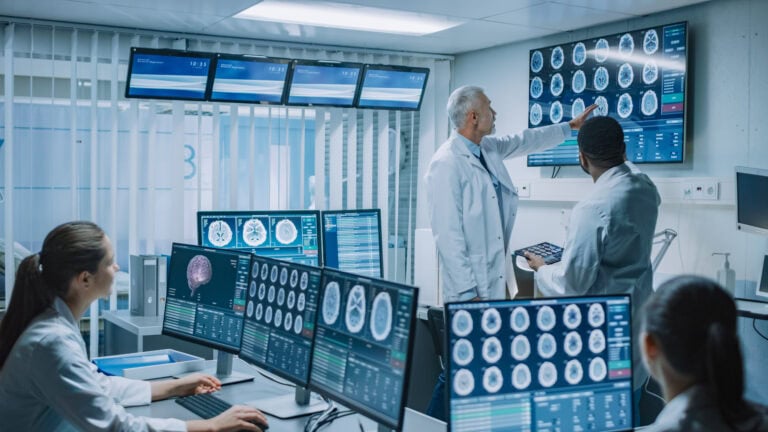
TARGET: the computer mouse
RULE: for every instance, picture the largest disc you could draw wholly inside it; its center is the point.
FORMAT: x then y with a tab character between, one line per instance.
260	425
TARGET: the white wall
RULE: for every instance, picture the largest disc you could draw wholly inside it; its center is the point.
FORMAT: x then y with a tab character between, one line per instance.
728	126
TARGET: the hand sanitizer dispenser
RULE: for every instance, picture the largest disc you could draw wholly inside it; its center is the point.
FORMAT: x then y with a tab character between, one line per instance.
726	276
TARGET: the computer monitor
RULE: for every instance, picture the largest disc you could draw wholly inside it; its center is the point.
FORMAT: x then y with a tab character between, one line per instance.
206	300
284	234
363	343
167	74
544	364
751	202
352	241
279	328
249	79
318	83
392	87
762	283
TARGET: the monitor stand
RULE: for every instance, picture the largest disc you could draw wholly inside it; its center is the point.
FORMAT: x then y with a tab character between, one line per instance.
223	370
379	428
301	403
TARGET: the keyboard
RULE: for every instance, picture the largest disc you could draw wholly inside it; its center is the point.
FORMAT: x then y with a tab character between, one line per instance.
551	253
205	405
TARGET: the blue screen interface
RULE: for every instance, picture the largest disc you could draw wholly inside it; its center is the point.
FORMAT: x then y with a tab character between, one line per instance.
546	364
352	242
168	76
391	89
249	81
323	85
638	78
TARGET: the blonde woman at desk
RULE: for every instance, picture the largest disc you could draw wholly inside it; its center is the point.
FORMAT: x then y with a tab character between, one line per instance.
46	380
690	346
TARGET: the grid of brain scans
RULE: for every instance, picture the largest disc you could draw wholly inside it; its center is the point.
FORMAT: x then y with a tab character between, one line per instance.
637	77
548	364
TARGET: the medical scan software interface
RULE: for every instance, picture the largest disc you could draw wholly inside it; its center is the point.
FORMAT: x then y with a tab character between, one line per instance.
547	364
206	295
280	317
287	235
168	74
362	344
637	77
352	241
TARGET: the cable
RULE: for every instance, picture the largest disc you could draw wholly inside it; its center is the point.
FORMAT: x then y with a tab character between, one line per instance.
555	171
754	326
315	421
274	380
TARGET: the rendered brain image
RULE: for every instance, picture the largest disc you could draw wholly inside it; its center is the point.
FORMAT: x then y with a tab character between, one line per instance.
199	272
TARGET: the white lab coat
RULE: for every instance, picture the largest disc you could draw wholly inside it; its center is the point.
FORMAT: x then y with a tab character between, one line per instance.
48	384
464	213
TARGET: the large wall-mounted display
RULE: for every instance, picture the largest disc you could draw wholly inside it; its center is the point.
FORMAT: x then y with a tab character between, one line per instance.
637	77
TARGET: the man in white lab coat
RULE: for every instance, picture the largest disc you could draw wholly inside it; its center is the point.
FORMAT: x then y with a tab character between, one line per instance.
608	246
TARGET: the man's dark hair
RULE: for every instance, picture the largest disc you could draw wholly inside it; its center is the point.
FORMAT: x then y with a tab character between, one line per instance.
601	139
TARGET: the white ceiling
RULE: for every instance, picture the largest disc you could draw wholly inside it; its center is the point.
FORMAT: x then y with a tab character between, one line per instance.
488	22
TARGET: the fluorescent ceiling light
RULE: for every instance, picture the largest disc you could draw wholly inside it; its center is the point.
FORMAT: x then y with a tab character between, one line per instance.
347	16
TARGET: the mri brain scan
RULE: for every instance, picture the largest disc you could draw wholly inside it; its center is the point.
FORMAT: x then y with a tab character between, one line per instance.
650	42
291	300
572	344
255	270
264	271
547	374
602	50
283	276
262	291
281	297
462	323
491	321
298	324
626	45
535	115
492	379
252	289
294	278
557	58
602	106
650	103
521	348
491	350
573	372
278	317
249	309
547	347
579	81
624	106
268	315
519	319
545	318
199	272
626	75
537	61
579	54
463	382
577	107
273	274
331	303
219	233
597	341
463	353
537	88
271	294
601	79
288	321
354	317
259	312
597	369
286	232
650	72
381	316
572	316
254	233
304	281
556	85
521	377
596	315
556	112
300	303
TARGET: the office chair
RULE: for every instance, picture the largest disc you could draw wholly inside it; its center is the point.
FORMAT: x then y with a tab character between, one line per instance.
436	325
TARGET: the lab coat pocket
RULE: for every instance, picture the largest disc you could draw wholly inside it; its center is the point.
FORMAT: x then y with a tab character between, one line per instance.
480	271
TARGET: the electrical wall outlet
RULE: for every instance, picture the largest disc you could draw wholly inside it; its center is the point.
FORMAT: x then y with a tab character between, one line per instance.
704	189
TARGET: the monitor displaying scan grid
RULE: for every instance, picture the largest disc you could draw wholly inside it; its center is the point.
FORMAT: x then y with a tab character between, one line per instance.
544	364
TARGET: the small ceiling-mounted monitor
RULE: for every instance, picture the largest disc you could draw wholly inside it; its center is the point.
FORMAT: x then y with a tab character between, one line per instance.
167	74
324	83
249	79
392	87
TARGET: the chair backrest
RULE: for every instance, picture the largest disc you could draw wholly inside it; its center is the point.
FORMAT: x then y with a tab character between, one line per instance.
436	324
524	279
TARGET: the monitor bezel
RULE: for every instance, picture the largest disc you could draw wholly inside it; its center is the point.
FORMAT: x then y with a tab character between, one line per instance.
349	211
316	213
395	68
194	339
351	403
323	63
252	59
760	172
537	301
171	53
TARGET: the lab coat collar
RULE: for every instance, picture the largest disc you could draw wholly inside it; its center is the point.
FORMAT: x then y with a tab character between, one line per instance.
460	145
617	171
63	310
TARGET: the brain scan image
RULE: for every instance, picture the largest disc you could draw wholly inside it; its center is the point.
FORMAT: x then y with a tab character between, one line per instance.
547	374
304	281
288	321
601	79
252	289
579	81
271	294
219	233
519	319
294	278
463	382
537	61
264	271
597	369
268	315
521	348
547	346
579	55
463	353
254	233
273	274
255	270
262	291
572	316
650	103
354	317
624	106
556	85
602	50
283	276
596	315
602	106
259	312
291	301
535	115
491	321
537	88
577	107
199	272
572	344
281	297
286	232
574	372
492	379
491	350
278	317
556	112
461	323
249	309
381	316
521	377
596	341
300	303
298	324
650	72
626	45
626	75
557	58
650	42
331	303
545	318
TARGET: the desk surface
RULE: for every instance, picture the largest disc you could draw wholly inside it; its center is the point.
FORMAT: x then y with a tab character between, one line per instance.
138	325
752	309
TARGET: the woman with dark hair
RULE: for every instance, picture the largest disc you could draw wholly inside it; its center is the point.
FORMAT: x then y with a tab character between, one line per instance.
46	380
690	346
